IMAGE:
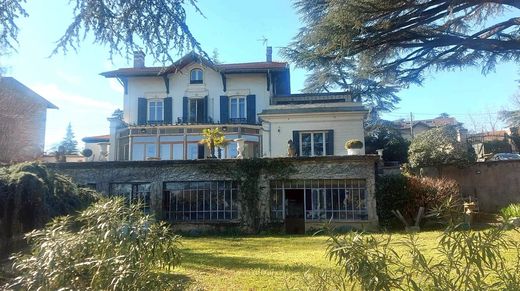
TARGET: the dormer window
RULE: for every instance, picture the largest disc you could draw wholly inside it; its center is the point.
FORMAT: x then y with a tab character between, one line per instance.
196	76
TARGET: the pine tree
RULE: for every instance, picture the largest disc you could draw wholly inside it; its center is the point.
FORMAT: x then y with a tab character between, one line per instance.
399	41
69	142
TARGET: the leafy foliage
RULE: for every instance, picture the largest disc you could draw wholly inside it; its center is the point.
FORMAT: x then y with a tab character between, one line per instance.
30	196
69	143
466	260
385	136
512	210
157	27
213	137
398	41
441	199
439	146
354	144
108	246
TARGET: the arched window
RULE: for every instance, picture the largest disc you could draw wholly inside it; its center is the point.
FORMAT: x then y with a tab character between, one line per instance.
196	76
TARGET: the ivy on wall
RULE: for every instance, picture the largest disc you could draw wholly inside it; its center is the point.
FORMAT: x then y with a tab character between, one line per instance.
247	173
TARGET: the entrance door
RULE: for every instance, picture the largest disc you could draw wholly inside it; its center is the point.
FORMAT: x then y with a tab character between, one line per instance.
294	220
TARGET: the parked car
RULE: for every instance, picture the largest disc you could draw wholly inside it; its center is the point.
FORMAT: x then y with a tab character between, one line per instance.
505	157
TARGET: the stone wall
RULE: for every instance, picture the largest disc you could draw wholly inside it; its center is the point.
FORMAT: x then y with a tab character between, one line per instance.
102	174
494	184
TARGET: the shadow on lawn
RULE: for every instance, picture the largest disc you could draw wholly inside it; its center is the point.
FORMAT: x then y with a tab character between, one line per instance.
207	261
178	281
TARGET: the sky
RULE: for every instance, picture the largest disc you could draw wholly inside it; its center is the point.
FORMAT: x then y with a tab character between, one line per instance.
235	28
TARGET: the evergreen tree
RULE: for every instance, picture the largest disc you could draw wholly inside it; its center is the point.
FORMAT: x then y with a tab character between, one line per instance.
155	27
69	142
396	42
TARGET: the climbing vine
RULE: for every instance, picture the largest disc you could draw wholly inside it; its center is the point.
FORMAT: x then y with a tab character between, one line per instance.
247	173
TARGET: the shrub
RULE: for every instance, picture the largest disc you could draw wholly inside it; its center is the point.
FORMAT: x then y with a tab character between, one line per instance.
440	197
511	211
464	260
437	147
30	196
108	246
354	144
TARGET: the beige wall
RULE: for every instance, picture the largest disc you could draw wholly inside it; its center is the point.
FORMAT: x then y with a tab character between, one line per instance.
279	130
494	184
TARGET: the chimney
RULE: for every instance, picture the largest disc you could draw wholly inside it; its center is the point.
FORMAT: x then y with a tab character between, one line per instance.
269	54
138	59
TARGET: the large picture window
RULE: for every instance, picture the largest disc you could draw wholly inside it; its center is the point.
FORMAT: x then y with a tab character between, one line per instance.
313	143
155	110
237	109
133	193
324	199
200	201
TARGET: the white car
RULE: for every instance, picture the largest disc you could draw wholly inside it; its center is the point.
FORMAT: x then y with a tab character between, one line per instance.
505	157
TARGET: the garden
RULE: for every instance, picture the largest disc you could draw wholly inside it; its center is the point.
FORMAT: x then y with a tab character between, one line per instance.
97	243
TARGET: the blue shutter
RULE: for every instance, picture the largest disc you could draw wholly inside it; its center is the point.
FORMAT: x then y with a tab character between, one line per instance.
206	107
296	141
251	109
200	152
329	140
224	109
185	109
168	107
142	111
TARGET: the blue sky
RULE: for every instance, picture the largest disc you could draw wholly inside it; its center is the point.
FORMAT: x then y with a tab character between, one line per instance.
234	27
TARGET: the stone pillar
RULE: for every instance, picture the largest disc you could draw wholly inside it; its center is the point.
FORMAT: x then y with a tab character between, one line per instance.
115	124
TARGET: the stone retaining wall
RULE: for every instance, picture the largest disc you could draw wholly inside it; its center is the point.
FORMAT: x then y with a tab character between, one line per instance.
102	174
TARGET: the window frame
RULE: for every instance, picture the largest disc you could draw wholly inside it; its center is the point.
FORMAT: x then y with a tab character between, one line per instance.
238	118
312	133
149	109
196	80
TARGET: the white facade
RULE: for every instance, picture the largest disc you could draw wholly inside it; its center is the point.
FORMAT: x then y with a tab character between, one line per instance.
279	128
260	110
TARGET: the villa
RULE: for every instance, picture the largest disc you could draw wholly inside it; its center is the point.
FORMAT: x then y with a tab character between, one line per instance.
153	153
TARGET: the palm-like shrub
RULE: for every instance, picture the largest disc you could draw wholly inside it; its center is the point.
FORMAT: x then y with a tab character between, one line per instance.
108	246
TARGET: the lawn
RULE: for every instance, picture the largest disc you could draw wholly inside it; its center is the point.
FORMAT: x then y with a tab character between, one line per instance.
253	262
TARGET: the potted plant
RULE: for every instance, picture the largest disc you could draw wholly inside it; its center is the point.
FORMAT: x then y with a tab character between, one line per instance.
354	147
213	138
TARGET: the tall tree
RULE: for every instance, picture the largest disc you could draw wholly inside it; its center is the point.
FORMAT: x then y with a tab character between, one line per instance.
157	27
69	142
398	41
512	117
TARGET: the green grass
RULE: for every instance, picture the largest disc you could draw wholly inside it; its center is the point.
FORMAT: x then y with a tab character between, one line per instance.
267	262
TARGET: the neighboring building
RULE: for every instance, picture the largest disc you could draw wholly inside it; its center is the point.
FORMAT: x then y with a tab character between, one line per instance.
99	145
166	109
23	116
419	126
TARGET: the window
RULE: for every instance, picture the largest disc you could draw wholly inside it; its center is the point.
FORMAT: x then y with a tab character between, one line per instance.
196	111
133	193
237	109
312	144
200	201
155	110
196	76
324	199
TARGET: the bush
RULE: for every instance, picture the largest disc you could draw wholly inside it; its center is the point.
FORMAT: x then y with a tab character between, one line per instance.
462	260
440	197
108	246
354	144
511	211
30	196
437	147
